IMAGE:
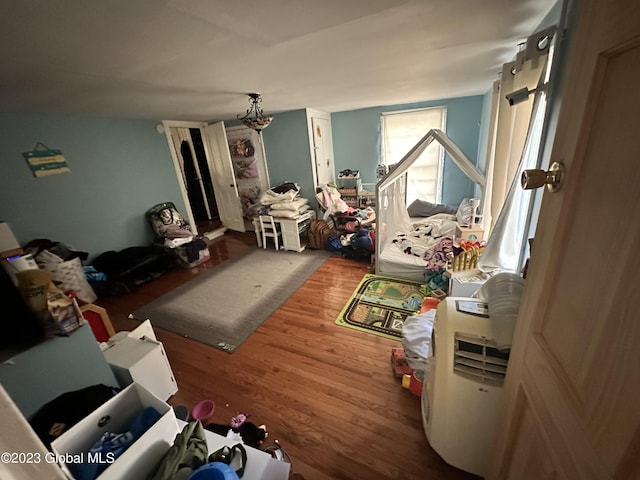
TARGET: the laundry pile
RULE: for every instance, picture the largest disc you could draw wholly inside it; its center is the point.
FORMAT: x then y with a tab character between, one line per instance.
283	200
175	233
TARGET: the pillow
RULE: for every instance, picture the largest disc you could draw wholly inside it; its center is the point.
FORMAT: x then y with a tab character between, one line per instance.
292	205
422	208
270	197
289	213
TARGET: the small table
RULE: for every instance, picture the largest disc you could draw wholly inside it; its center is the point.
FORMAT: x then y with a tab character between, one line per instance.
291	228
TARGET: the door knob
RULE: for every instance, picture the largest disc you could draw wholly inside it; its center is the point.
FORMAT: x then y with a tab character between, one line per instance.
552	178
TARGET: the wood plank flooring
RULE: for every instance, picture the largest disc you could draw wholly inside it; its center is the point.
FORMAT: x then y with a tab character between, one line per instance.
325	392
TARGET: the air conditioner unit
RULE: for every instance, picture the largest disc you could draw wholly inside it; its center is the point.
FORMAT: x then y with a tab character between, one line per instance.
462	391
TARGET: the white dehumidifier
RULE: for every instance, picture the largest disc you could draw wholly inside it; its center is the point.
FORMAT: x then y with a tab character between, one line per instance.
462	390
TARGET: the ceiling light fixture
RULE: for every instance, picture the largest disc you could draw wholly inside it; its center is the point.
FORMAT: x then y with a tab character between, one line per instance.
255	118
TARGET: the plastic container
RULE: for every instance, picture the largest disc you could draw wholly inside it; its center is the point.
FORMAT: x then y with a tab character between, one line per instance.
503	293
203	411
214	471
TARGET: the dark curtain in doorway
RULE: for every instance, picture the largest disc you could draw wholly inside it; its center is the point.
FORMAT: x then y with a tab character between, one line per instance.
193	185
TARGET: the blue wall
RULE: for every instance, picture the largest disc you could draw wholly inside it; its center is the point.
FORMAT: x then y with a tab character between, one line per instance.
356	140
119	169
286	145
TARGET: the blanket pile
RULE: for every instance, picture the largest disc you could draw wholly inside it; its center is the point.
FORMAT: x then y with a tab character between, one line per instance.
430	239
283	200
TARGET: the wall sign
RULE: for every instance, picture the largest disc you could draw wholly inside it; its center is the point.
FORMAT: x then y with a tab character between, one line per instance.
45	161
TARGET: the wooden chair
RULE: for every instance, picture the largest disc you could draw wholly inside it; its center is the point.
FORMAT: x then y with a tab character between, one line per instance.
269	229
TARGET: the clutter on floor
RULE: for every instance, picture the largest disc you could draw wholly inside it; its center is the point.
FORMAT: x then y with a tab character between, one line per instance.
65	266
352	229
409	362
240	429
399	363
189	452
118	272
174	232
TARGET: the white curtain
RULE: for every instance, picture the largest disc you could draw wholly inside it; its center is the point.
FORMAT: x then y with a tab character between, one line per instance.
504	247
514	147
511	123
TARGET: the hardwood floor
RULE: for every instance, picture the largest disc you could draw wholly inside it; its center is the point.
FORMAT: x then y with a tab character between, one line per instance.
325	392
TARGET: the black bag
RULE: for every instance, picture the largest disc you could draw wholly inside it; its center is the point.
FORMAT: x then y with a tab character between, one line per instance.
356	253
227	455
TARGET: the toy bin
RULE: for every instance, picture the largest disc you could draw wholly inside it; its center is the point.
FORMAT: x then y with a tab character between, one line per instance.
114	416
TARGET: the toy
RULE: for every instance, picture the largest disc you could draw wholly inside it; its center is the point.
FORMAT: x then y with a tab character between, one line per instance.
399	363
250	433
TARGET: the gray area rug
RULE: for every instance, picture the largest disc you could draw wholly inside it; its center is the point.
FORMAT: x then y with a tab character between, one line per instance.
223	306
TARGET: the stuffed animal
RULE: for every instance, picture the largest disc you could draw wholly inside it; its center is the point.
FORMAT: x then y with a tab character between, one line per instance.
250	433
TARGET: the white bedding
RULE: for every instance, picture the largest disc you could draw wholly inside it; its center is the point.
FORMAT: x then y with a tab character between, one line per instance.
395	263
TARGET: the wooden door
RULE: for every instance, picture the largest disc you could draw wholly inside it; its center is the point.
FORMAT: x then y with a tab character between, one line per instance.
222	174
571	396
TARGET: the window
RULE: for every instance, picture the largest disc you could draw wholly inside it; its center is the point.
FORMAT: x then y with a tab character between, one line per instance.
400	132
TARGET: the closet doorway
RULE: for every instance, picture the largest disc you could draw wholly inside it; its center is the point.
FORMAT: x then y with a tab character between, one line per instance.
196	178
206	178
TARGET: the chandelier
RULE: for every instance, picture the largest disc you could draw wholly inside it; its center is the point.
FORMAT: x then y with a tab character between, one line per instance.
255	118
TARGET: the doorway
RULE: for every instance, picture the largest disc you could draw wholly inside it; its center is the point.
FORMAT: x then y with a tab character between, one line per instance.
196	175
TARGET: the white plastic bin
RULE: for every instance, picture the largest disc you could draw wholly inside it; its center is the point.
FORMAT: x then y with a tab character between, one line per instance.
114	416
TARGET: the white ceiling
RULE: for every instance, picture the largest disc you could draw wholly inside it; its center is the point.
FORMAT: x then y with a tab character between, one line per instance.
197	59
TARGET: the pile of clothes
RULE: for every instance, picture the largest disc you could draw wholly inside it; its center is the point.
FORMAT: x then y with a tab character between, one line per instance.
174	232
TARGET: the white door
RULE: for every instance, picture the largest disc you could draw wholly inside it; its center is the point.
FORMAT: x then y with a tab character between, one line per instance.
250	168
573	383
322	149
224	182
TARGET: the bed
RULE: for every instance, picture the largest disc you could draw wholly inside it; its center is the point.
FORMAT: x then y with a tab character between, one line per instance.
392	216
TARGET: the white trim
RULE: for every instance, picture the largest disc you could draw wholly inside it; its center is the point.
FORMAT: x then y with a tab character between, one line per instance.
414	110
218	232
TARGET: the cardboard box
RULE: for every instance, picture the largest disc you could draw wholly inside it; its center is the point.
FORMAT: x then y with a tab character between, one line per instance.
473	232
8	241
138	461
16	252
13	264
